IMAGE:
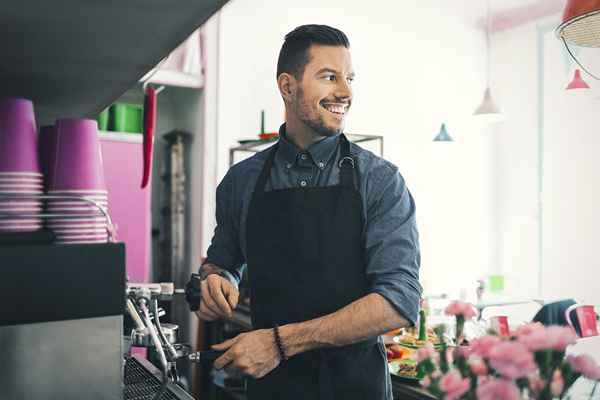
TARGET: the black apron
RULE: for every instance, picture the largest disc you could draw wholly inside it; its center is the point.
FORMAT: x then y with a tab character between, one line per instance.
306	259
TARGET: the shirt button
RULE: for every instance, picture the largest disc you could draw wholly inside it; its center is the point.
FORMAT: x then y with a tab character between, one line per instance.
303	156
288	165
321	165
302	183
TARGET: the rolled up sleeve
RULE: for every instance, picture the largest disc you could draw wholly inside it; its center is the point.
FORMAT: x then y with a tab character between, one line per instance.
392	244
224	250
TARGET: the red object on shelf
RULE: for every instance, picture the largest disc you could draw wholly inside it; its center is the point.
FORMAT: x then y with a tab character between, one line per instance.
149	127
266	136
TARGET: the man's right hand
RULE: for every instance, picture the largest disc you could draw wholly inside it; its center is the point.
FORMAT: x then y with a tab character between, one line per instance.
219	298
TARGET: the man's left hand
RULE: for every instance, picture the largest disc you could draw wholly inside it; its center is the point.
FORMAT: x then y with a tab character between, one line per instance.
253	353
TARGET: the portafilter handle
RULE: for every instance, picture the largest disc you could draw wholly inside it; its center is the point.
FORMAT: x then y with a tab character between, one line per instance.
193	293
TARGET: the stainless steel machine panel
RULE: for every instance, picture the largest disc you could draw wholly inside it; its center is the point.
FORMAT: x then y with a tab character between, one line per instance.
62	360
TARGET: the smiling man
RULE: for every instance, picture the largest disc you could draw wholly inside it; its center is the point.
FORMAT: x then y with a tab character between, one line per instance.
328	233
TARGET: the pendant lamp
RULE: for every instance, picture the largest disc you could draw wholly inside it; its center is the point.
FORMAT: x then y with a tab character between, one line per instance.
443	135
577	82
580	26
488	110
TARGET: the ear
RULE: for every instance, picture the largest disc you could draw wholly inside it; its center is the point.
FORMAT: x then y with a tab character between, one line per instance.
287	86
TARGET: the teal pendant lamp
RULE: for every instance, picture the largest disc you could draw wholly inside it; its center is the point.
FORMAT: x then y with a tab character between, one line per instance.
443	135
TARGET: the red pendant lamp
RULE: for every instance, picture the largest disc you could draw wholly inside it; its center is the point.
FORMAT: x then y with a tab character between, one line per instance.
580	26
577	82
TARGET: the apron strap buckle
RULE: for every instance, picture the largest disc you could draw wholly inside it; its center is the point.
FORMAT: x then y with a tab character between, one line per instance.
348	159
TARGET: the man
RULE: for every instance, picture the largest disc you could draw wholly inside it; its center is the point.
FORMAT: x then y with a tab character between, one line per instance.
328	233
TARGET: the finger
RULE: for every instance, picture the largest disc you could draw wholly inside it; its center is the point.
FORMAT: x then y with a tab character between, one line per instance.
206	312
205	317
224	360
233	296
216	287
207	299
224	345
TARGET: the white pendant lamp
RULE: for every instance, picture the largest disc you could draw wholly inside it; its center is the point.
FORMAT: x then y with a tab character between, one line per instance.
488	111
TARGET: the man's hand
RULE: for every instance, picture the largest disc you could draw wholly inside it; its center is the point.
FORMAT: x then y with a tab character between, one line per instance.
253	353
219	298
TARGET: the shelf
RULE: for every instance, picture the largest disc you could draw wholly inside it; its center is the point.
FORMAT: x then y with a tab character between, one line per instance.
73	58
176	79
121	136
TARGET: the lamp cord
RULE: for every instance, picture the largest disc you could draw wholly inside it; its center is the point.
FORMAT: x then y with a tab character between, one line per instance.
577	61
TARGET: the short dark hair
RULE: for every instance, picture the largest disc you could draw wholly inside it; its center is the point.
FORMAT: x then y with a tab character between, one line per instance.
293	55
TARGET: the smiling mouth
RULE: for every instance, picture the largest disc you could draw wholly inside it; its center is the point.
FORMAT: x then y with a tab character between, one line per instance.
339	109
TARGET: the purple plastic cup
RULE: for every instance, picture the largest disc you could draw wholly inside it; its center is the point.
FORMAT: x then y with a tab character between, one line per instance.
18	136
47	151
78	163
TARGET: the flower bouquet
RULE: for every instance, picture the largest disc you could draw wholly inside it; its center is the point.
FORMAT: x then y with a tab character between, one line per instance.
530	363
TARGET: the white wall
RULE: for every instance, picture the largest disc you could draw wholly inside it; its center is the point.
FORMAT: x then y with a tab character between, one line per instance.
548	145
418	64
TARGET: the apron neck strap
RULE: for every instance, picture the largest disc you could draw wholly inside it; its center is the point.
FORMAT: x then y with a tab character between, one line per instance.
346	164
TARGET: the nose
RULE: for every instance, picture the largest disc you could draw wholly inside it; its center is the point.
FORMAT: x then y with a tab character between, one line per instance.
343	90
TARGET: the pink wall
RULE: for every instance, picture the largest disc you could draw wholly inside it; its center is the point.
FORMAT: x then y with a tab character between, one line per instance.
128	204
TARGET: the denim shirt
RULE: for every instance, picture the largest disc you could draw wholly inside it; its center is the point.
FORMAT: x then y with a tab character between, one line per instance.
390	236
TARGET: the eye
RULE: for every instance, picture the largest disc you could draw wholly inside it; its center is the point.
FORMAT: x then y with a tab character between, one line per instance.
330	77
350	79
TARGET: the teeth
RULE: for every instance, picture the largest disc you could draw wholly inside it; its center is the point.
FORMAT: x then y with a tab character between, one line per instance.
335	108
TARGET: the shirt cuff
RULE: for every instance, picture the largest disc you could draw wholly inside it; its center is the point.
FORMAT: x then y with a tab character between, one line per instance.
405	300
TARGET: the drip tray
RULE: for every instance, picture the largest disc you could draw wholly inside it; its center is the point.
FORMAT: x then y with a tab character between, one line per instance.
142	383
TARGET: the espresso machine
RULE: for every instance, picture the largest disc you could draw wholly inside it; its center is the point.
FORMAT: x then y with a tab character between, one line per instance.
62	327
142	303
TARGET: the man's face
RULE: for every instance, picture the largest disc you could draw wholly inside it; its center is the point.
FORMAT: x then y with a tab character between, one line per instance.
324	93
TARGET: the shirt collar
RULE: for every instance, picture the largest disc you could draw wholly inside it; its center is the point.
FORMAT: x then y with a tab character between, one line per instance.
320	152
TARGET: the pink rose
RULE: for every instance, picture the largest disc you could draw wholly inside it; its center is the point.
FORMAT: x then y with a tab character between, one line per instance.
483	345
460	308
497	389
512	360
478	366
558	384
585	365
425	352
454	385
552	337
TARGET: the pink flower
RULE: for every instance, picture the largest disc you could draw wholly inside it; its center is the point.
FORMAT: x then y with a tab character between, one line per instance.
425	352
483	345
512	360
425	382
558	384
497	389
526	329
585	365
454	385
459	308
552	337
463	351
478	366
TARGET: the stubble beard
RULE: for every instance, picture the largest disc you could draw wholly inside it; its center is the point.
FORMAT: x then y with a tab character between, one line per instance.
317	124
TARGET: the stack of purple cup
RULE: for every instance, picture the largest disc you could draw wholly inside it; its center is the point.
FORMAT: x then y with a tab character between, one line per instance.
21	178
71	152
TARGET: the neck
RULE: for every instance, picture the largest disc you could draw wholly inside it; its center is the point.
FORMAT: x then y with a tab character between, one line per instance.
300	134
